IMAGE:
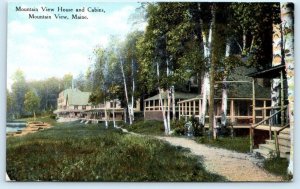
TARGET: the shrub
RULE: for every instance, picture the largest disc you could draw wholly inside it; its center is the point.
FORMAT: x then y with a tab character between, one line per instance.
178	127
197	127
52	116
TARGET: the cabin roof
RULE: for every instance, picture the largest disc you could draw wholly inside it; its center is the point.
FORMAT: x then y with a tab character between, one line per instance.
178	95
272	72
76	97
243	90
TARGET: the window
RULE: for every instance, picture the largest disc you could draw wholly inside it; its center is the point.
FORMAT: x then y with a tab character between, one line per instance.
75	107
84	107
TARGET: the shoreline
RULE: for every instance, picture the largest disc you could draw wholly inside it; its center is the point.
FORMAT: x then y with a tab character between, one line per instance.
31	127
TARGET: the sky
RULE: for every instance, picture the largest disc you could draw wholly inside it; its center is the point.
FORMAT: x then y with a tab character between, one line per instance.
44	48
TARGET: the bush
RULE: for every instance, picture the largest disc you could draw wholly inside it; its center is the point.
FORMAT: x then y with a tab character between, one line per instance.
53	116
178	127
197	127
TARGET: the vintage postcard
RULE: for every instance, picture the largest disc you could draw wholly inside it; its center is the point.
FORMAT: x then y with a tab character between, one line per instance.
150	91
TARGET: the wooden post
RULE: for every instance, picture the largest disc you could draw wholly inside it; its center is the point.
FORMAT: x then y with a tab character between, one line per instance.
185	108
194	108
264	112
282	99
214	129
190	111
179	110
276	144
145	107
251	133
270	128
153	105
231	111
199	107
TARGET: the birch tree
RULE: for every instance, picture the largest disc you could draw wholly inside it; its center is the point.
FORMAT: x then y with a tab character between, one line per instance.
129	67
225	86
125	90
276	60
206	40
287	18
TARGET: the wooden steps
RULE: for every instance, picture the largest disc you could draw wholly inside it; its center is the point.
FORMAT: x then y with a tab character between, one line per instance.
268	150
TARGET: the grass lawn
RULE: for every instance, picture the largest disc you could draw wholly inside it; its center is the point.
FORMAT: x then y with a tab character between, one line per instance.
78	152
44	118
148	127
278	166
239	144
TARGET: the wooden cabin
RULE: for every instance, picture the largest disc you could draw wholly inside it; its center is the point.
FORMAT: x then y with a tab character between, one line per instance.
276	125
104	111
152	107
239	102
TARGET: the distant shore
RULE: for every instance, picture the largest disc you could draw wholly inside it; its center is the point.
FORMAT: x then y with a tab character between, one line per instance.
31	127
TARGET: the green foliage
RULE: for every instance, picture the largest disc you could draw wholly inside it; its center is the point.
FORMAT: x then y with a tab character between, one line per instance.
75	152
197	127
32	102
9	104
178	127
255	21
18	90
239	144
171	41
67	80
278	166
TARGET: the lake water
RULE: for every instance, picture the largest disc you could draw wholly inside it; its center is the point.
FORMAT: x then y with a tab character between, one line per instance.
15	126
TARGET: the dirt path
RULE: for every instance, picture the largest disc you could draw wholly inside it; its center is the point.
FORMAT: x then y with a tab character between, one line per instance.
232	165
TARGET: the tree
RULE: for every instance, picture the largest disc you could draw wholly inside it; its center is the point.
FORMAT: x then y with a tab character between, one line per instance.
80	82
67	81
106	74
287	17
9	104
129	67
19	89
31	102
165	49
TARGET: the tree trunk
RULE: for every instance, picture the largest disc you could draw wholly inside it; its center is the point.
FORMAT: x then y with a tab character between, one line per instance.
252	45
173	102
163	111
205	86
160	92
287	18
105	114
133	89
244	42
276	60
212	76
224	88
126	92
114	121
205	82
168	111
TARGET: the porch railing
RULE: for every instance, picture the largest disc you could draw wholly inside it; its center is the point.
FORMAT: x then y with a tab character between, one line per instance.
276	132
